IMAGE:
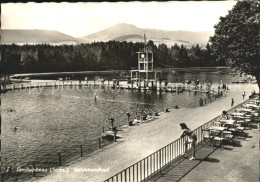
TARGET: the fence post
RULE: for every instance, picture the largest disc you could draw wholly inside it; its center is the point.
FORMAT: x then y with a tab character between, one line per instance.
59	159
81	151
99	143
160	162
114	136
201	133
33	173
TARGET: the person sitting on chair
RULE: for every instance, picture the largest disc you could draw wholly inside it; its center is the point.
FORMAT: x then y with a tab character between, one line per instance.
224	115
192	139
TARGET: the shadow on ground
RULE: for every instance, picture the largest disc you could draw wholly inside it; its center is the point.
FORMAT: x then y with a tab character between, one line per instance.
207	159
110	137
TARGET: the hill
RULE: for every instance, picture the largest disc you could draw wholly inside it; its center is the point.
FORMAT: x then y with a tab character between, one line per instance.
119	32
128	32
10	36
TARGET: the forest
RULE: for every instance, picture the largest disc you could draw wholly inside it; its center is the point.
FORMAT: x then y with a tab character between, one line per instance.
112	55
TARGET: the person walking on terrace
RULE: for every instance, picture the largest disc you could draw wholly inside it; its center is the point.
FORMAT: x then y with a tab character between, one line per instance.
232	102
244	94
192	138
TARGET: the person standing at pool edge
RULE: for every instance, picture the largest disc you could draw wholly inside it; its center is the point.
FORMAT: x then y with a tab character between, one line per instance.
192	139
201	102
111	121
232	102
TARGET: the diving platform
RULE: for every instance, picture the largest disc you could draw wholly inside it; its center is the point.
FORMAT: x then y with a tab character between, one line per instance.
145	74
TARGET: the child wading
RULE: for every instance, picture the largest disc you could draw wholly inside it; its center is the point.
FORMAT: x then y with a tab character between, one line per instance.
192	139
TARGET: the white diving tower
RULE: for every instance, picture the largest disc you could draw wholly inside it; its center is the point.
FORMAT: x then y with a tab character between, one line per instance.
145	73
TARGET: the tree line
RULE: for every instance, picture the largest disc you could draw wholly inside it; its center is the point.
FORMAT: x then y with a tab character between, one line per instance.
112	55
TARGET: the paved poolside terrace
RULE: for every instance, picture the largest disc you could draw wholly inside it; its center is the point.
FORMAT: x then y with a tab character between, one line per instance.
238	161
234	164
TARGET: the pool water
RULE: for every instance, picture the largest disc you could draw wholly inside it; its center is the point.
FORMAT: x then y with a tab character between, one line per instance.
51	122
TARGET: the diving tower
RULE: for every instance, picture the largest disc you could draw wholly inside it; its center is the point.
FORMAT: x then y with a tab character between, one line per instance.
145	76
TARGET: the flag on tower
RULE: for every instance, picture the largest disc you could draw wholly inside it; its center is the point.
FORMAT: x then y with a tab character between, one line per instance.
144	38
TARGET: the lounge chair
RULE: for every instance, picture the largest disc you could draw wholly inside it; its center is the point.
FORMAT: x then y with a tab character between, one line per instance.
217	124
207	137
227	136
240	129
218	140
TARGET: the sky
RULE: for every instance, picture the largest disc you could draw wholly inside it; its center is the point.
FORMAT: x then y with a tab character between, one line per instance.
81	19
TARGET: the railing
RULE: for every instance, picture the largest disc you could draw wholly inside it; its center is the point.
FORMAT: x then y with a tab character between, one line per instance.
55	159
158	160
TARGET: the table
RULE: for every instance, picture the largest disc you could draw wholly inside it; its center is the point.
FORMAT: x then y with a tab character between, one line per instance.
243	110
252	102
227	122
240	121
238	114
218	128
217	133
252	105
242	117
